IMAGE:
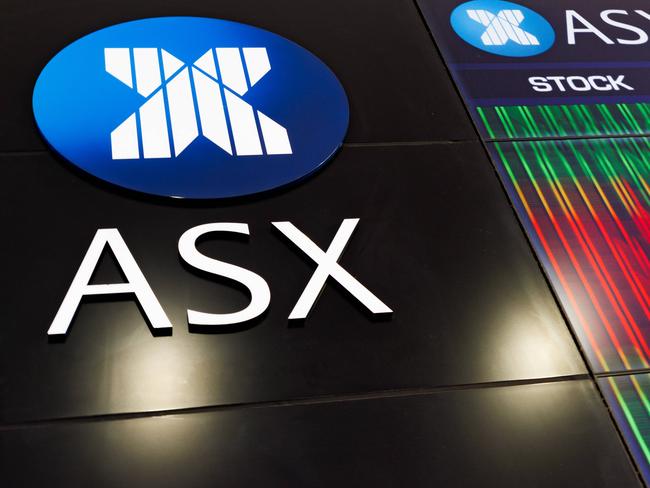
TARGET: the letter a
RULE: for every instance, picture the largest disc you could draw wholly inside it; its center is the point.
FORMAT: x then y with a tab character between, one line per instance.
136	283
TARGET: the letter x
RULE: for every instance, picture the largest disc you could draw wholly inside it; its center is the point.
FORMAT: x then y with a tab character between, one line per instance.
502	27
182	101
328	266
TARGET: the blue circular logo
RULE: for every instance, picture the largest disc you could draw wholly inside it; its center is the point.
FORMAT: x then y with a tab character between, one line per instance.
502	28
191	107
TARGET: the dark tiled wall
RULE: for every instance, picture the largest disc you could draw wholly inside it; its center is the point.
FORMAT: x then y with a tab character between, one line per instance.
475	380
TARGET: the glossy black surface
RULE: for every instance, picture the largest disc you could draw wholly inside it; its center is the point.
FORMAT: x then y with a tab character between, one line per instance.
437	242
381	51
341	400
548	435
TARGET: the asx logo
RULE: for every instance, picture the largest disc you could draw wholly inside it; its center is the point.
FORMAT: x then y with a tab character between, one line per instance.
509	29
191	107
191	95
502	28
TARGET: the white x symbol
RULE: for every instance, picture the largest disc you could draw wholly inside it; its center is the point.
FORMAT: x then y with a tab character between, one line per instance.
502	27
204	97
328	266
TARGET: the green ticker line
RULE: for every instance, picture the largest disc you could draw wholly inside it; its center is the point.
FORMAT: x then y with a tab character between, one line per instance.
630	420
520	121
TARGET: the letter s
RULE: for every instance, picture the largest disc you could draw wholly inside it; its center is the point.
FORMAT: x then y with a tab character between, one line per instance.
259	289
539	84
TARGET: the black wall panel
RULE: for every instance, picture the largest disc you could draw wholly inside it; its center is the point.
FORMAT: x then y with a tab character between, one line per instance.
436	241
486	437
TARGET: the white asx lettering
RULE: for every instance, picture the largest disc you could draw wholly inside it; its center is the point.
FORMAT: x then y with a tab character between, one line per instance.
578	24
137	285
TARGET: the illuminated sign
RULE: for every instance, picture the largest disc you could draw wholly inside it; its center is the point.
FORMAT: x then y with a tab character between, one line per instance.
567	132
191	107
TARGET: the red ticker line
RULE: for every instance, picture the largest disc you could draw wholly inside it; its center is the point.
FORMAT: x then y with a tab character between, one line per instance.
590	250
573	303
594	196
569	249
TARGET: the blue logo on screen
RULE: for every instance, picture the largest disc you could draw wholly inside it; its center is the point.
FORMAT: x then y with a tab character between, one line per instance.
191	107
502	28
